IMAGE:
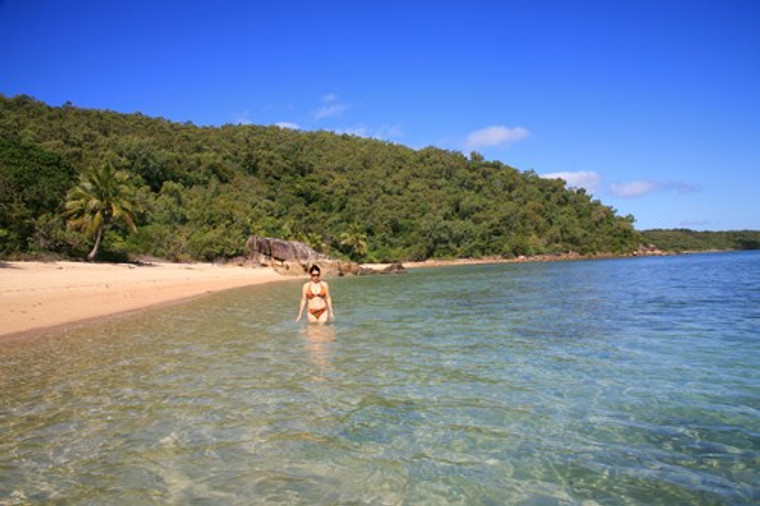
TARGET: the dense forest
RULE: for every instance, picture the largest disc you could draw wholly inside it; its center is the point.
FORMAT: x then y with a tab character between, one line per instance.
683	240
197	193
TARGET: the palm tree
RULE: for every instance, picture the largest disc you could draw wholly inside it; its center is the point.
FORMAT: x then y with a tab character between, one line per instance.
315	241
101	196
355	240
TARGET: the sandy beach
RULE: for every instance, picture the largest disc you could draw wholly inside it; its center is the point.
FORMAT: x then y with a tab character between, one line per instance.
39	295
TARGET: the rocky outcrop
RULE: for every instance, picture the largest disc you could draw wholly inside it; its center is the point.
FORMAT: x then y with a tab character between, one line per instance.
295	258
648	250
268	249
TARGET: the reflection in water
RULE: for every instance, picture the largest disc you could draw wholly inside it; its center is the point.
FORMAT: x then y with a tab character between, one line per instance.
318	340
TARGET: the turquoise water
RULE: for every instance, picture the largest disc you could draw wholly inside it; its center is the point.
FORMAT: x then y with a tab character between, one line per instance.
601	382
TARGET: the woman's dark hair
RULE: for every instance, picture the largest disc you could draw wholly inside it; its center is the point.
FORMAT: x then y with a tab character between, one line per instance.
315	268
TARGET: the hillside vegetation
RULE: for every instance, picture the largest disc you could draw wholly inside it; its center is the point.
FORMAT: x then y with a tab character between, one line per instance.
683	240
201	191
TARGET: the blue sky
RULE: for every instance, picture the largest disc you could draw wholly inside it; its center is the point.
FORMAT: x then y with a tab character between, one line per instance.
653	106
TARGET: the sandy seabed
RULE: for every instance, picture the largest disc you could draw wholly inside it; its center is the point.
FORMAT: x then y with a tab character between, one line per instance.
39	295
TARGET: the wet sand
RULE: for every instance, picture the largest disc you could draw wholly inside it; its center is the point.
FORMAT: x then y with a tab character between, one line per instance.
40	295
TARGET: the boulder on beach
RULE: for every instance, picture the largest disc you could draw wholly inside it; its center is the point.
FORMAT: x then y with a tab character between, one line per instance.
295	258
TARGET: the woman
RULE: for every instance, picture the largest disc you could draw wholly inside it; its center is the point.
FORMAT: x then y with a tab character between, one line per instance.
317	294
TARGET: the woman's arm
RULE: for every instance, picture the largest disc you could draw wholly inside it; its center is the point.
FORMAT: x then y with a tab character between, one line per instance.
328	300
303	303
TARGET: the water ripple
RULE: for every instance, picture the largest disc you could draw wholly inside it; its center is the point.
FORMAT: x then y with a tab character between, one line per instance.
610	382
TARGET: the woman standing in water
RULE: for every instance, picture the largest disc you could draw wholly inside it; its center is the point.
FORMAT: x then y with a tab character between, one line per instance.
317	294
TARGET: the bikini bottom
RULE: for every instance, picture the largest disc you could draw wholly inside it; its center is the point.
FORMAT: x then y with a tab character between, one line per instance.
316	313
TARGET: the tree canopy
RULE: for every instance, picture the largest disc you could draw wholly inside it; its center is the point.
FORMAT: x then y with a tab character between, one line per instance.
203	190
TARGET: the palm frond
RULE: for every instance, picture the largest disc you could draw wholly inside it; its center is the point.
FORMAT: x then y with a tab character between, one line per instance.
103	194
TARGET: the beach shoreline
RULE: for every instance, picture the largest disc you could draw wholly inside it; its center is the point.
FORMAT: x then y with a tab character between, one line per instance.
560	257
40	296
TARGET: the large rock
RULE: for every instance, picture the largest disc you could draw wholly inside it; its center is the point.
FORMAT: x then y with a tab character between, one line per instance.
296	258
268	249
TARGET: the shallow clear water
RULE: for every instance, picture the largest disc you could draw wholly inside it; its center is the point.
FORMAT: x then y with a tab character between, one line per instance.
603	382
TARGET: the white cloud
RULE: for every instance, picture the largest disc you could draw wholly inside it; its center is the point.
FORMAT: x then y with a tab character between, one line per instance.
383	133
330	109
242	118
494	136
287	124
333	107
640	188
581	179
359	131
633	189
388	132
682	187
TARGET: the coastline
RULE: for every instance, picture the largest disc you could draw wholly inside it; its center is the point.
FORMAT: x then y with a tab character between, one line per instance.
38	296
564	257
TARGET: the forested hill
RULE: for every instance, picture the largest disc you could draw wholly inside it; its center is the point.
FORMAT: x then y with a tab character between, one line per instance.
202	191
684	240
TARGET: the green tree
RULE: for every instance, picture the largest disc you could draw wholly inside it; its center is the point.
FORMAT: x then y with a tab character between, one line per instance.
33	182
355	241
206	189
103	195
